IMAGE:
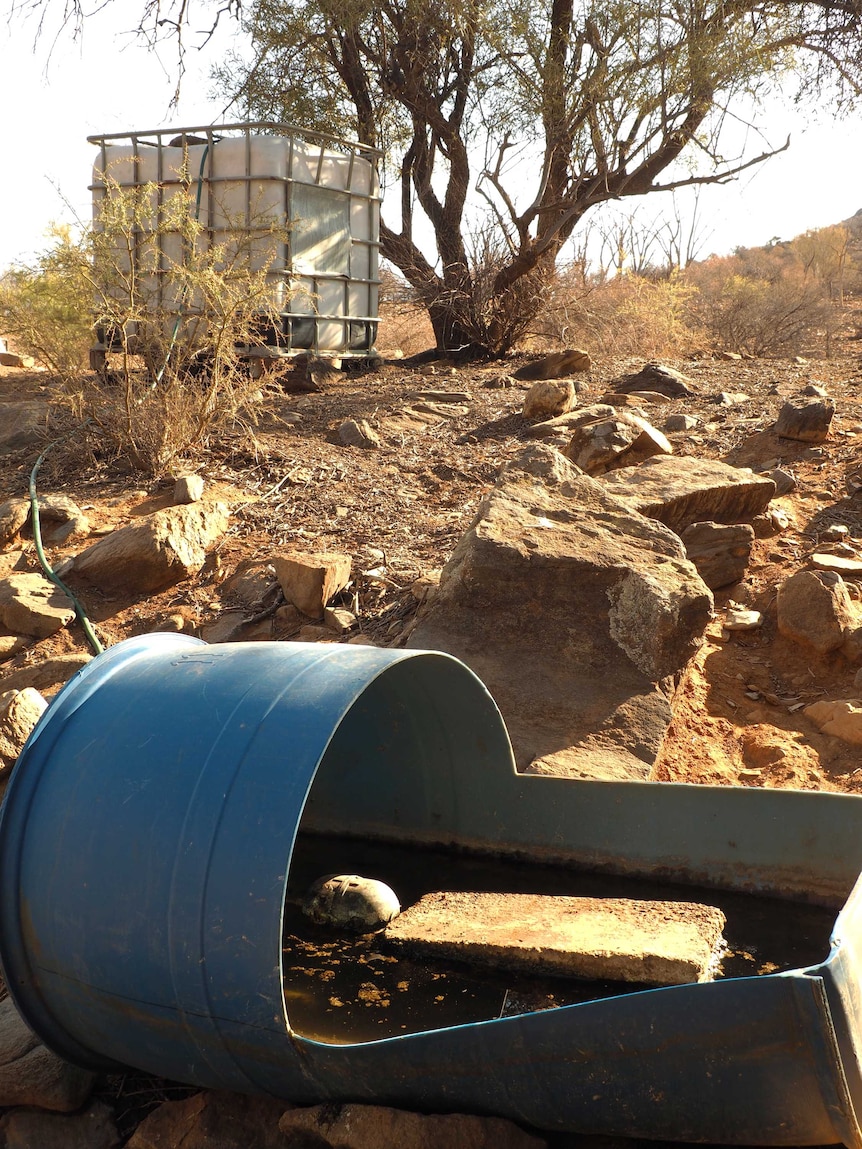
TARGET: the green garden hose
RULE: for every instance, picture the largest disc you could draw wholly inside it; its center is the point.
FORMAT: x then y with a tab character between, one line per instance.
81	614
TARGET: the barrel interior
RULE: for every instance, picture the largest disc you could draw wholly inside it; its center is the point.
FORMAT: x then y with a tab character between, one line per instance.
404	793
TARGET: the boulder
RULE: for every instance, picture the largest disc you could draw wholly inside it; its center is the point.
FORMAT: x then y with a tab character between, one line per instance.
23	425
549	398
95	1128
358	433
14	513
656	377
815	610
309	581
559	365
805	419
621	440
20	710
378	1127
721	552
159	551
30	1074
30	604
599	602
216	1120
679	491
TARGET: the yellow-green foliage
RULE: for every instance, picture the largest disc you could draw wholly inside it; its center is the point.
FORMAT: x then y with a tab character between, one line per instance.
46	308
177	312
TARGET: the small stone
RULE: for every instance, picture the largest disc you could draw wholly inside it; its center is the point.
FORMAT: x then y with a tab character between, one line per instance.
499	381
657	377
288	619
351	902
11	359
837	563
339	620
815	389
680	491
425	585
559	365
173	624
566	423
10	644
309	581
549	398
20	710
785	481
358	433
31	605
155	552
732	398
739	619
13	515
834	533
188	489
680	422
857	678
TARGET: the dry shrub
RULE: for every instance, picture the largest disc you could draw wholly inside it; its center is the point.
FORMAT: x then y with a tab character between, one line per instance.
630	315
175	375
45	308
404	327
761	302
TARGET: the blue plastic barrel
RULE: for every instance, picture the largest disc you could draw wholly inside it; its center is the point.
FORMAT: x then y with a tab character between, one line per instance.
147	835
147	832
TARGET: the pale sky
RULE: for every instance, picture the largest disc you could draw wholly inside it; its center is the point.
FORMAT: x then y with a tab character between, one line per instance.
110	83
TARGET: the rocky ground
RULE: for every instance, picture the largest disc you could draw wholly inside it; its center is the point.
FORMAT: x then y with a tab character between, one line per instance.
431	443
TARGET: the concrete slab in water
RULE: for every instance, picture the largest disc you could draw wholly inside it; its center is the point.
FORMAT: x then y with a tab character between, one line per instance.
608	939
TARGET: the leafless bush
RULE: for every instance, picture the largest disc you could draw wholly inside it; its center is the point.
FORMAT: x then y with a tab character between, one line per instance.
761	303
627	315
176	316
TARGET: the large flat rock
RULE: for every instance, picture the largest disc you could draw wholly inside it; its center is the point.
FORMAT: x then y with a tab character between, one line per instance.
679	491
603	939
575	611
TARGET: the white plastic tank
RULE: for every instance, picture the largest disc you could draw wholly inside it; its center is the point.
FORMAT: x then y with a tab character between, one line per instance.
302	207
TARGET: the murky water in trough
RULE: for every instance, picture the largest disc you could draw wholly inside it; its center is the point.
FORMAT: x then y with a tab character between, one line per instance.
343	988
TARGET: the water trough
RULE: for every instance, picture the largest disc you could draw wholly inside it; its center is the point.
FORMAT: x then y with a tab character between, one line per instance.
175	796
